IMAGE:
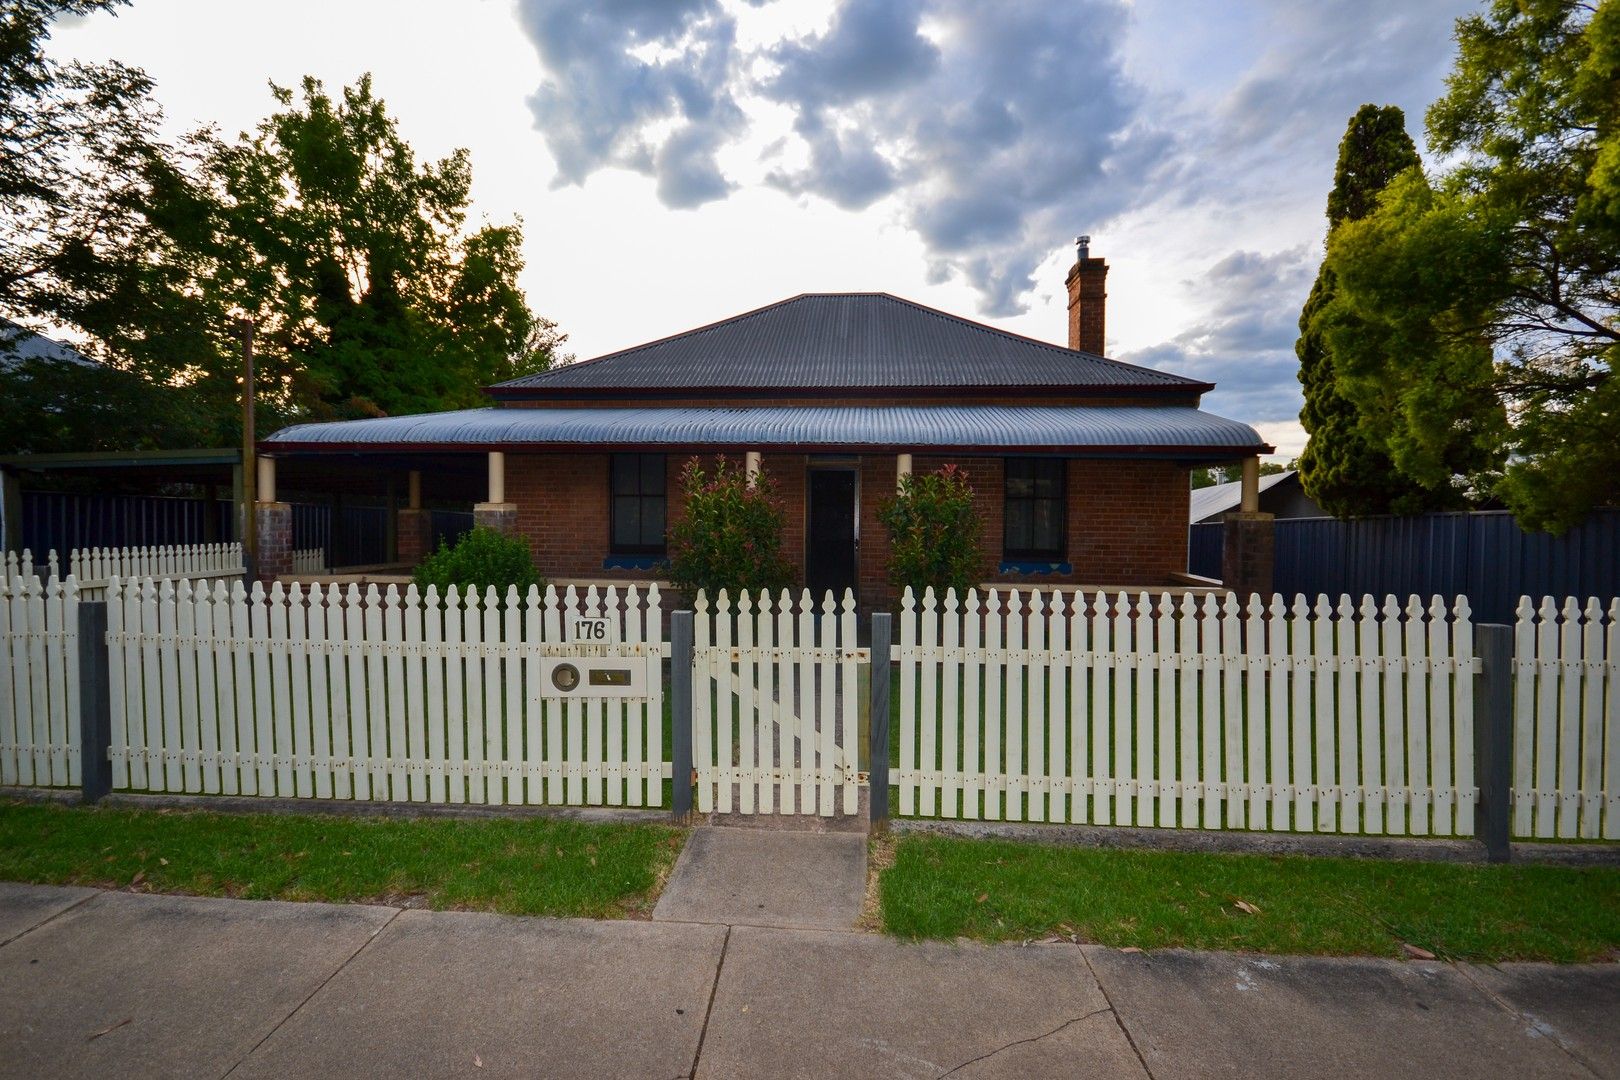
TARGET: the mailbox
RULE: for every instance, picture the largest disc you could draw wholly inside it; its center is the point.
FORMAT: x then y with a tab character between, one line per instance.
594	676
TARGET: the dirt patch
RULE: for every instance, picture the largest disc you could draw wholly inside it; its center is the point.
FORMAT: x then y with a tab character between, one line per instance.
879	857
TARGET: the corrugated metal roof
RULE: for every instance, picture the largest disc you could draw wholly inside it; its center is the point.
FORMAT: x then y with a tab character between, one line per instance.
1219	498
822	341
1142	429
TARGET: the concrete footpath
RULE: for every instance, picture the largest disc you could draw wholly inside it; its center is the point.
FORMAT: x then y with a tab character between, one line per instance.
100	984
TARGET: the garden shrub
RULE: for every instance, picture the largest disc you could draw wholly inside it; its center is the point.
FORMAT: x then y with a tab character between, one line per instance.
934	532
730	535
481	558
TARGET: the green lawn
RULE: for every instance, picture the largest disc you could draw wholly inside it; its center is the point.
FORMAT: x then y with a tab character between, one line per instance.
532	866
946	887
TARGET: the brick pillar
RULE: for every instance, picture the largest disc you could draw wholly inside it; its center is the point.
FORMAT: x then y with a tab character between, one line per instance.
274	523
1246	553
414	529
502	516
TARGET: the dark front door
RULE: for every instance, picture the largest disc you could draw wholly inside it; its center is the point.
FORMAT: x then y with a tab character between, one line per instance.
830	561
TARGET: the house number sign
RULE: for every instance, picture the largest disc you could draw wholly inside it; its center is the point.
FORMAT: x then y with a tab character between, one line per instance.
585	631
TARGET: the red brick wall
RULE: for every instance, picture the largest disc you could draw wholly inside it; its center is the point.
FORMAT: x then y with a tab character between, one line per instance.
1127	520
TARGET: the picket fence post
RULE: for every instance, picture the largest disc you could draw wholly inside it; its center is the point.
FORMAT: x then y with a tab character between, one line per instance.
95	704
680	713
878	724
1493	738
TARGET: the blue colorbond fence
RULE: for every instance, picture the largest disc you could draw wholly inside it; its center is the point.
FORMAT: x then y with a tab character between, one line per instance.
1484	556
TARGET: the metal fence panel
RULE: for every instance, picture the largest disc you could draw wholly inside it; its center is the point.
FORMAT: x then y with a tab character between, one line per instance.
1482	555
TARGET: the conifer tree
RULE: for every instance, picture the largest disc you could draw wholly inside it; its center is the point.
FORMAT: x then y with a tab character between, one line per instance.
1345	471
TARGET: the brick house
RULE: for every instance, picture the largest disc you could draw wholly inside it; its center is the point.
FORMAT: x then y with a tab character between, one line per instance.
1079	463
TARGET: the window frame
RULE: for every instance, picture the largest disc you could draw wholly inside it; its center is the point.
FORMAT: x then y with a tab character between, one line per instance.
614	495
1055	554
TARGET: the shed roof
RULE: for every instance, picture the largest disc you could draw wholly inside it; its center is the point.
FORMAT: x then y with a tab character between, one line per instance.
845	341
1167	431
1206	502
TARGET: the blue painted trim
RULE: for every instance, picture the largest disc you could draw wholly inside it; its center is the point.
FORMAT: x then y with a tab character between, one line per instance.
1036	568
634	562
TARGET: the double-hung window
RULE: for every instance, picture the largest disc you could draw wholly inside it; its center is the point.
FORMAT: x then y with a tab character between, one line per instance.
638	504
1035	510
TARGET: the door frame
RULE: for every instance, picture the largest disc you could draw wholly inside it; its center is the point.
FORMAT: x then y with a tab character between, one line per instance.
834	463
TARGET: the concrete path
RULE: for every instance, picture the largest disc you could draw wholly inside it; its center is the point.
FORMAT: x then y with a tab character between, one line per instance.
760	877
116	984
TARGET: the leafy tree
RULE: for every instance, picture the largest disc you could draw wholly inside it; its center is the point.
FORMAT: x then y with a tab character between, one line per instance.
1345	466
934	532
371	294
52	407
729	535
79	156
1515	250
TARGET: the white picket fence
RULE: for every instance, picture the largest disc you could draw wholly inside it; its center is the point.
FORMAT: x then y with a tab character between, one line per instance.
349	694
1566	738
775	710
39	682
94	567
1188	712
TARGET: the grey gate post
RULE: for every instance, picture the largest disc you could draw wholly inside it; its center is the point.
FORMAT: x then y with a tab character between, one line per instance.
877	752
680	713
1493	738
95	704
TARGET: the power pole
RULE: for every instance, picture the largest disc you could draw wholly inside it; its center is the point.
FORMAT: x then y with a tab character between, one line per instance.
250	466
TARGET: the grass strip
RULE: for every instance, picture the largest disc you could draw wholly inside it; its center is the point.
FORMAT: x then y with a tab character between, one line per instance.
948	887
518	866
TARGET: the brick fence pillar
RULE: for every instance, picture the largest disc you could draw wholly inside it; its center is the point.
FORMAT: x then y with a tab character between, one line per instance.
501	516
415	532
274	523
1246	553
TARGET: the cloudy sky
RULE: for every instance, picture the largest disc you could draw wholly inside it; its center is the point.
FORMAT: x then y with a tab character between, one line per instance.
678	161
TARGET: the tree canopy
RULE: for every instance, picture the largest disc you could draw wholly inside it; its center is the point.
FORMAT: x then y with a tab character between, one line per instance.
1487	300
371	292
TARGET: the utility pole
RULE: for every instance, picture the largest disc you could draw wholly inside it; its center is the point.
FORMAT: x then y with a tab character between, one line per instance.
250	466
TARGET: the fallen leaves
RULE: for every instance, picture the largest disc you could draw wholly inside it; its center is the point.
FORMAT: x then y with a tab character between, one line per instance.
981	898
1245	907
1416	952
478	1062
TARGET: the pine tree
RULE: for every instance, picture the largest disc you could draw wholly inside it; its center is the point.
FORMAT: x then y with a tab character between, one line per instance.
1346	473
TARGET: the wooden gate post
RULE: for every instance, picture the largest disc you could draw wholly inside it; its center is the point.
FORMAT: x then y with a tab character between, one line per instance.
1493	738
878	729
95	706
680	713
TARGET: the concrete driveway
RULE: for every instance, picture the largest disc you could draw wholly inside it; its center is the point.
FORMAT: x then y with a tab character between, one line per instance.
119	984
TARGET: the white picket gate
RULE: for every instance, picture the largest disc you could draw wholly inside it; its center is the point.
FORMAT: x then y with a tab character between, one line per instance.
350	694
39	681
1566	738
1191	712
775	715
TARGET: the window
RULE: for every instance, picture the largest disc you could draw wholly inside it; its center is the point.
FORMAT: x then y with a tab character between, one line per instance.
1035	509
638	504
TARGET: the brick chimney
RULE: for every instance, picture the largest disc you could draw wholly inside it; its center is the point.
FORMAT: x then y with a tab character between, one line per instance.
1088	298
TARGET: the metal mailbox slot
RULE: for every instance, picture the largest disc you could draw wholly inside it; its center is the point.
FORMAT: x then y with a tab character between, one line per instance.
594	676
